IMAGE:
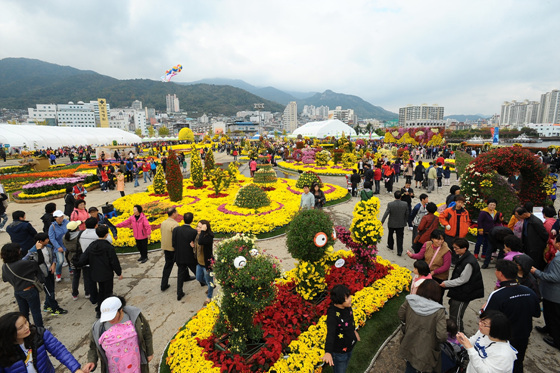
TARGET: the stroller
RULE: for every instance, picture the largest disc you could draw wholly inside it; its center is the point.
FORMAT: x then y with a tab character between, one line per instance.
454	358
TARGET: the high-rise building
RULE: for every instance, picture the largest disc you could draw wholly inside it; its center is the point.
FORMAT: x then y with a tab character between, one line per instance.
140	121
289	118
549	108
172	103
346	115
136	105
518	113
43	114
420	113
75	115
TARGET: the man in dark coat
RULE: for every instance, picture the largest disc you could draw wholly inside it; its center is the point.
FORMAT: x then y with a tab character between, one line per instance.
534	236
355	180
183	237
397	211
21	232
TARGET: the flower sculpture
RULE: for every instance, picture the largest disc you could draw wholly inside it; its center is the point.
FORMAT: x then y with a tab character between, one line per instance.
174	178
366	228
247	282
159	181
209	162
309	237
322	158
196	169
308	178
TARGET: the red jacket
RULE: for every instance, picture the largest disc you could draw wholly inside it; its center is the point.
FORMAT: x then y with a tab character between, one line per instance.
377	174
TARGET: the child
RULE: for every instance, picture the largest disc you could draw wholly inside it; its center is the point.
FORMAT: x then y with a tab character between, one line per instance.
341	333
452	331
447	174
421	273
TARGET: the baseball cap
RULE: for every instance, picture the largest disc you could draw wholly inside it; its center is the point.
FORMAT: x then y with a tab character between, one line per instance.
73	225
58	214
109	309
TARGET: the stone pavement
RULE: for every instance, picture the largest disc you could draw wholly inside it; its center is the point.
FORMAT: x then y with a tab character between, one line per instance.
141	284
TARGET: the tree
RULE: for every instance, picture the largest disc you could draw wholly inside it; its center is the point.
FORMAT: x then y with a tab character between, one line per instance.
186	134
151	131
163	131
196	168
138	132
209	162
174	178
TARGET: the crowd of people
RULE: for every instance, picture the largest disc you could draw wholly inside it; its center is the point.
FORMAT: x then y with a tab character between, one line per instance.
527	269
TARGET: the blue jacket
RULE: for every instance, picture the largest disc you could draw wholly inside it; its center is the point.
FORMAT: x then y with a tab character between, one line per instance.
42	342
129	166
56	233
23	233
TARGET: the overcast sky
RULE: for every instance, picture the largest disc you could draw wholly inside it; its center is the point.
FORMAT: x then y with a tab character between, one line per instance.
468	56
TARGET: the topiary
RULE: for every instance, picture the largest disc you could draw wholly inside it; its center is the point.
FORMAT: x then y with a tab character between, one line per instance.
322	158
349	160
309	236
247	289
196	168
366	227
159	181
308	178
251	197
265	175
233	170
186	134
174	178
209	163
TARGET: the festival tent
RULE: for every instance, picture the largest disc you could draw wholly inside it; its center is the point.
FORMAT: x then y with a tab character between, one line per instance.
331	127
40	137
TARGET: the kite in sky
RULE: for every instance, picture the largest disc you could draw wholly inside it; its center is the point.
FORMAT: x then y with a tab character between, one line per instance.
171	73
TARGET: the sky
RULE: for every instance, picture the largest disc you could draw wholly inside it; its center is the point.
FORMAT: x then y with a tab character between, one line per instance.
468	56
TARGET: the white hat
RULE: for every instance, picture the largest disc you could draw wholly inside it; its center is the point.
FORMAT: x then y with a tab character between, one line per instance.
73	225
109	309
58	214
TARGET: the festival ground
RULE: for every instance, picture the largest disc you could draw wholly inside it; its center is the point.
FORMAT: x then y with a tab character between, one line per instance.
141	287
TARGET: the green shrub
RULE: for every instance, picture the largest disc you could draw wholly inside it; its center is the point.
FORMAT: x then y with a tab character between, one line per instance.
251	197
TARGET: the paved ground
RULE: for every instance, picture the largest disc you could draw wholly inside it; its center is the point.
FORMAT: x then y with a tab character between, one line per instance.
141	287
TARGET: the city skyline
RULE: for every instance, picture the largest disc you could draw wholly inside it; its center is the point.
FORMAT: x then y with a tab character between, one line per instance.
468	56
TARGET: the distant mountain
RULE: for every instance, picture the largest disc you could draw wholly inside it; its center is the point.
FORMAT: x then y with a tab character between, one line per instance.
467	117
27	82
270	93
362	109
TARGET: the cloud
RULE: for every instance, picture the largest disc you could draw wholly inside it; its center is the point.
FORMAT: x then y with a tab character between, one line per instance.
468	56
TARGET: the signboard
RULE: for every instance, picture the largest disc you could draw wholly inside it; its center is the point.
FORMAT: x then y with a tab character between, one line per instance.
103	117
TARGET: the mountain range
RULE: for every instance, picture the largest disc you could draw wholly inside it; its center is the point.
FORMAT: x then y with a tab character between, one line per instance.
467	117
27	82
362	108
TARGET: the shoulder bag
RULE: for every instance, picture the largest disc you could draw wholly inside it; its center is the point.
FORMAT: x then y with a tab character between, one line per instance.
35	282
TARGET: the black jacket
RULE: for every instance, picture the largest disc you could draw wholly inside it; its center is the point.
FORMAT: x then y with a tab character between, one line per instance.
3	197
368	175
207	241
535	240
69	202
181	242
47	220
355	179
102	259
474	288
519	303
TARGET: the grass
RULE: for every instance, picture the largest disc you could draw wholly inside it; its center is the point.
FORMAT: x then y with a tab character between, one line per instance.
377	329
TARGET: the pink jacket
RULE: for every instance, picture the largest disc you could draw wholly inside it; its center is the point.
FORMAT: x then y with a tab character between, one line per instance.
140	228
81	215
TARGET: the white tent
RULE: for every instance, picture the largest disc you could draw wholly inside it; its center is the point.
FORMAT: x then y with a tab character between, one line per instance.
41	137
331	127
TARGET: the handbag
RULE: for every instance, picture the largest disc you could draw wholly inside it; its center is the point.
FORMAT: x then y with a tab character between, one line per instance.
35	282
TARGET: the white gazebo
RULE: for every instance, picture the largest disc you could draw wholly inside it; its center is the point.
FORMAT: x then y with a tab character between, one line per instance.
331	127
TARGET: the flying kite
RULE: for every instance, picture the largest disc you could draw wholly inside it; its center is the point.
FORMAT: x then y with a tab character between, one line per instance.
171	73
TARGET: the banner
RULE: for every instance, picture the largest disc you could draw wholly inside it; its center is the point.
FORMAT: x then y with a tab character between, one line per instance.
496	135
103	117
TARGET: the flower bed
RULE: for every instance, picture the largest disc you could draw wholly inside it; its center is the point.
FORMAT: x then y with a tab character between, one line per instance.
49	185
220	210
330	169
52	194
293	328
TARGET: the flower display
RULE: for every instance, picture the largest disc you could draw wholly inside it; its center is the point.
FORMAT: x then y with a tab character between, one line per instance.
296	326
174	177
221	211
329	169
159	181
196	169
322	158
41	186
366	228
